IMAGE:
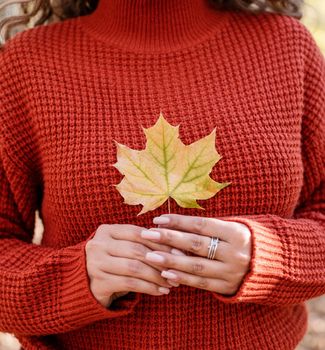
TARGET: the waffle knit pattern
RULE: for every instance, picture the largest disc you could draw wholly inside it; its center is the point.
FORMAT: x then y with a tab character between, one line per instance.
69	89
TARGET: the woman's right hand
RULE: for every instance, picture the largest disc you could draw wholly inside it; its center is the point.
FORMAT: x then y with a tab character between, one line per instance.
116	263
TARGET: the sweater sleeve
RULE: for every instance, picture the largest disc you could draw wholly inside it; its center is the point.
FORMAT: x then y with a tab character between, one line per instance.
42	290
288	254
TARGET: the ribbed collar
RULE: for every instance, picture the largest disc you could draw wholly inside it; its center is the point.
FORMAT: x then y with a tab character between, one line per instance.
153	25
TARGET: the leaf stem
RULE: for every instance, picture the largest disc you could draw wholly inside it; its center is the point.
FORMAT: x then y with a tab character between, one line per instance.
168	202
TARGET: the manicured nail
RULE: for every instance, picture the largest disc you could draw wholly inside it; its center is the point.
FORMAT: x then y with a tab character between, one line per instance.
169	275
164	290
161	220
177	252
172	283
150	234
153	257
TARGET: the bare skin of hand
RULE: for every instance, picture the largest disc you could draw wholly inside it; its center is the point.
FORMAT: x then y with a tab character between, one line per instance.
223	274
116	265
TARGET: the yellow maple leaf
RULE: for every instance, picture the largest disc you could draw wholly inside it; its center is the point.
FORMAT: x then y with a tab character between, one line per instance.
167	168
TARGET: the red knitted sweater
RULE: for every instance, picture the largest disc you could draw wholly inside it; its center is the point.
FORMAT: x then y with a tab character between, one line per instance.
69	89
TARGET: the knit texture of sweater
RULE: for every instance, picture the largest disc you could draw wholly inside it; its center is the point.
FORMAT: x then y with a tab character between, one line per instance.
69	89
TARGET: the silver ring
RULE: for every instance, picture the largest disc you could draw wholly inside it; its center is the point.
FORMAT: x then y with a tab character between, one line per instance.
213	247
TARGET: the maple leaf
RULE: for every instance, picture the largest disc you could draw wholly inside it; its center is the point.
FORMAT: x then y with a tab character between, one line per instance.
167	168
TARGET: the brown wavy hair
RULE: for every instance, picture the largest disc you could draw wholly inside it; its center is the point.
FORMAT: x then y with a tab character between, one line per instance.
37	12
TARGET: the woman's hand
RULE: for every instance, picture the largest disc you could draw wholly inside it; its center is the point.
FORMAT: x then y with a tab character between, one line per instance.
193	234
116	264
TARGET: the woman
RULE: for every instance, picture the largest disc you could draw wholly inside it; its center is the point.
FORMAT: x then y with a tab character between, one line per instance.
105	278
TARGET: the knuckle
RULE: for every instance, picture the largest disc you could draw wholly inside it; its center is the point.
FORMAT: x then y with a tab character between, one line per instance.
202	283
103	229
130	283
168	237
135	231
239	238
197	268
242	259
94	262
89	246
92	246
134	267
234	278
91	271
162	247
242	234
139	250
175	218
97	275
239	276
199	223
105	232
231	287
170	261
196	244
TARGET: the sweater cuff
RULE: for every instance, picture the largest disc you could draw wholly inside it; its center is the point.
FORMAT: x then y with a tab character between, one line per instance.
78	305
266	266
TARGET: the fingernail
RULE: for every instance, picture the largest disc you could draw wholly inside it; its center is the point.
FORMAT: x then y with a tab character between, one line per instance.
153	257
164	290
169	275
177	252
161	220
150	234
172	283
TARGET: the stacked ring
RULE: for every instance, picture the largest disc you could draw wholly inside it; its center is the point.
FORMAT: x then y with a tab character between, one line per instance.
213	247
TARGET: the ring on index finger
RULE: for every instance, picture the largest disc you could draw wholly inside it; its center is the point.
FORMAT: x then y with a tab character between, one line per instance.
213	248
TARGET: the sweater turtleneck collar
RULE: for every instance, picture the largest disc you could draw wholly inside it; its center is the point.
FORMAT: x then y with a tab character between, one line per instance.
153	25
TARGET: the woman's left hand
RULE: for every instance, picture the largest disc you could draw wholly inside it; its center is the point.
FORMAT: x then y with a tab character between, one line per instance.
223	274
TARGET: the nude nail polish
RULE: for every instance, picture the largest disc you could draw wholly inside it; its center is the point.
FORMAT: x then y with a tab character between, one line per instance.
169	275
161	220
164	290
148	234
153	257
